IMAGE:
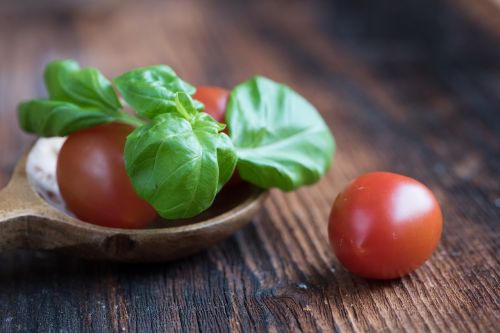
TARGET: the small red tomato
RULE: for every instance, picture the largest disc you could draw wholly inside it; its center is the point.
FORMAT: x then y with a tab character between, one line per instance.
93	182
384	225
215	101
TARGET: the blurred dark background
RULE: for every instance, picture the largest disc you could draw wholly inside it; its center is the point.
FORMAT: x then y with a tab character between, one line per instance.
427	54
406	86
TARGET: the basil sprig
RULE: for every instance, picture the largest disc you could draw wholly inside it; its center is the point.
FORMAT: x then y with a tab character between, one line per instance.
79	98
178	158
86	87
180	161
151	91
56	118
280	138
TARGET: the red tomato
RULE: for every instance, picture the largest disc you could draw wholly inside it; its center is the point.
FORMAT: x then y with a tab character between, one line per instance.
93	181
215	100
384	225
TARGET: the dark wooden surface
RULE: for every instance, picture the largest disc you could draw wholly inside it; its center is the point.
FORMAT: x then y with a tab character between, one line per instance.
406	86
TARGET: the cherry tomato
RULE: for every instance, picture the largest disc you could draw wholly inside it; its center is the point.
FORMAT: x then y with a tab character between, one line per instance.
384	225
93	181
215	100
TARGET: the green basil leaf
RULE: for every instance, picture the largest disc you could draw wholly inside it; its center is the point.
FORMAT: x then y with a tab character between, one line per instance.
177	165
280	138
86	87
152	90
55	118
185	105
205	121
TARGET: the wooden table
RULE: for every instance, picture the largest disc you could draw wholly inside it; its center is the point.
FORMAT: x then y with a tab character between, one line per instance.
406	86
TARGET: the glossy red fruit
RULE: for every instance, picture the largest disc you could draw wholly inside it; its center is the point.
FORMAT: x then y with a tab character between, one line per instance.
93	181
215	101
384	225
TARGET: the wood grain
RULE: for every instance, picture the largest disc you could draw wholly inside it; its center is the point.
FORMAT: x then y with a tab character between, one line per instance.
407	86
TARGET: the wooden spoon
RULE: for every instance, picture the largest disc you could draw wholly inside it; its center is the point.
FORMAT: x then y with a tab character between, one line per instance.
28	221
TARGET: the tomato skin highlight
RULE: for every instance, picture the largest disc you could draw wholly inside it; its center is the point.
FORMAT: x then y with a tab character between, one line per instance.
384	225
215	101
93	182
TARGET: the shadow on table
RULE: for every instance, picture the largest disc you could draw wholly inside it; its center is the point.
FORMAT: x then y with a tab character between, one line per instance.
32	266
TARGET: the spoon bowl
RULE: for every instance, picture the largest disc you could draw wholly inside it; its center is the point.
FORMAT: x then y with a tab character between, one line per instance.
29	221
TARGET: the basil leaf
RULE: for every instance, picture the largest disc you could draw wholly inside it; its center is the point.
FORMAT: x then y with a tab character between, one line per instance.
86	87
185	105
152	90
280	138
177	165
56	118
